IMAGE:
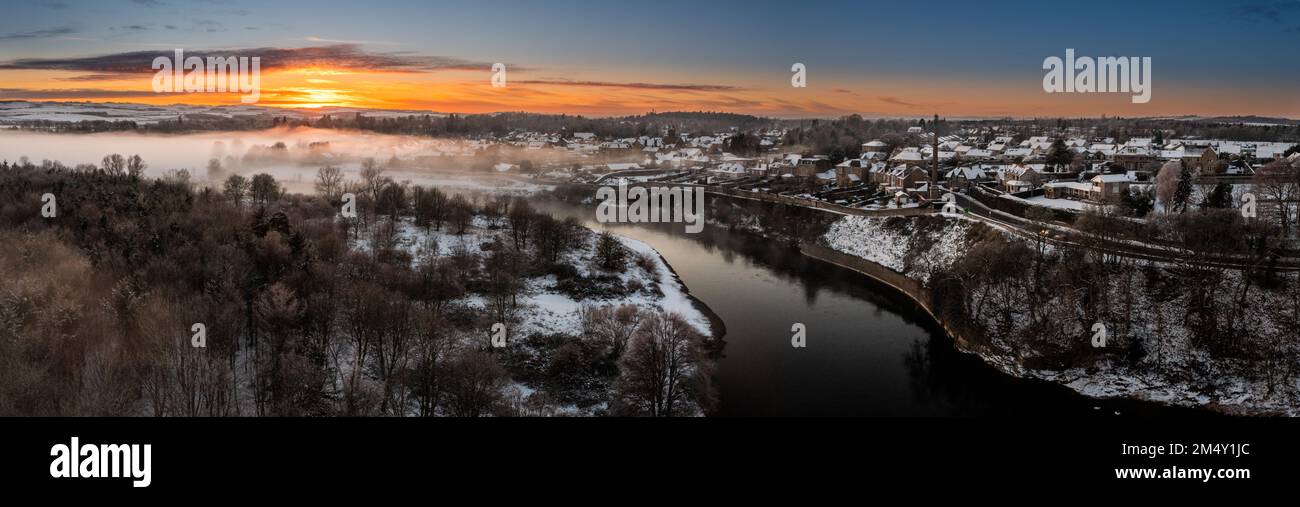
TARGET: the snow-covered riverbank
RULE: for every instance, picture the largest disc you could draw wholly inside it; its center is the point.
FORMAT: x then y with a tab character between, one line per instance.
1157	347
546	307
549	306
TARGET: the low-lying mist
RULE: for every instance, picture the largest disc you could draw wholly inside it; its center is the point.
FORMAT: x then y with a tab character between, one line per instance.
292	155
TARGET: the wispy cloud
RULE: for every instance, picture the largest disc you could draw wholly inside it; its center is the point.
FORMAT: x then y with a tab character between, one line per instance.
1265	10
313	38
639	86
896	101
70	93
338	56
93	77
39	34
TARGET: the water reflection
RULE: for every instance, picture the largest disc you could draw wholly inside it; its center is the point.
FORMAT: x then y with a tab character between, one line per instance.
870	351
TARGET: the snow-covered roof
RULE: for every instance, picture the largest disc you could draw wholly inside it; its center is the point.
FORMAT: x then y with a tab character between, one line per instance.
1114	178
1076	185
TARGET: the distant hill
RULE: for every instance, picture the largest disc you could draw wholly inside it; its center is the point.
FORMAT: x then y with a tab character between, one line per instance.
1249	120
21	111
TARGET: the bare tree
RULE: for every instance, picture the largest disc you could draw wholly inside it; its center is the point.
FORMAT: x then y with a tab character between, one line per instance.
373	179
235	188
521	220
461	213
611	326
1167	183
135	166
215	172
329	183
264	188
1279	184
114	165
656	372
474	383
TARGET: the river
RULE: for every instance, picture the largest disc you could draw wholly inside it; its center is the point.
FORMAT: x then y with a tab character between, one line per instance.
870	351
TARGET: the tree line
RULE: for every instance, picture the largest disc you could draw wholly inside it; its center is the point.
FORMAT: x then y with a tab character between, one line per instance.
305	312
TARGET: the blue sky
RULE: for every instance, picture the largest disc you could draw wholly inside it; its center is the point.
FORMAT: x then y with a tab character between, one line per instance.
1206	50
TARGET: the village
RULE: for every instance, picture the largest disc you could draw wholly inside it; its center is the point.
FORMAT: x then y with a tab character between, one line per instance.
1066	170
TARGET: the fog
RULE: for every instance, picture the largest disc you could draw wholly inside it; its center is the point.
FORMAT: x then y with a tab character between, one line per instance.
419	160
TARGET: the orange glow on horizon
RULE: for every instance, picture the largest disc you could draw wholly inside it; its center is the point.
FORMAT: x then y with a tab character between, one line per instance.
470	92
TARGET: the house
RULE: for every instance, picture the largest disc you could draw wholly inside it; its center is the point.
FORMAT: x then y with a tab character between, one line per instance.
1111	187
1019	177
1105	150
729	171
1101	188
1068	190
846	178
1017	153
810	166
855	166
906	155
1014	186
879	173
1202	160
907	176
874	146
1136	154
962	177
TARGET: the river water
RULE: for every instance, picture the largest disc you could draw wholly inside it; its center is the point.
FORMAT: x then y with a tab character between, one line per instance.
870	351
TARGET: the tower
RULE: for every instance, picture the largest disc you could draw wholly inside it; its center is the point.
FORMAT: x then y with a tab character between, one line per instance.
934	163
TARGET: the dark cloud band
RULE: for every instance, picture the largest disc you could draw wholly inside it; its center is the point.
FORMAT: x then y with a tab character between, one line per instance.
338	56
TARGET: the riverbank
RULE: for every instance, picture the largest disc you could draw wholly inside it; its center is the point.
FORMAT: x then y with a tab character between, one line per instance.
889	254
717	329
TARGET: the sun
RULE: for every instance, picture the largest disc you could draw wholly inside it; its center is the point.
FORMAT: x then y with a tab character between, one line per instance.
315	98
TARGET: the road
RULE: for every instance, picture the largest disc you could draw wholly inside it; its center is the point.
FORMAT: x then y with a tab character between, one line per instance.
1061	235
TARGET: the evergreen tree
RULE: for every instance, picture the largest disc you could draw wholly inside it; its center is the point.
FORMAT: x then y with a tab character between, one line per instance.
1184	191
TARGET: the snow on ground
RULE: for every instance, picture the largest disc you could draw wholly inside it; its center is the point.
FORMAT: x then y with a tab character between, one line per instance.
675	298
1066	204
1172	370
896	245
545	309
865	238
301	179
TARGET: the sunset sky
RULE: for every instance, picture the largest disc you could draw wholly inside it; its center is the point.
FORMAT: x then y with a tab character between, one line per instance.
955	59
